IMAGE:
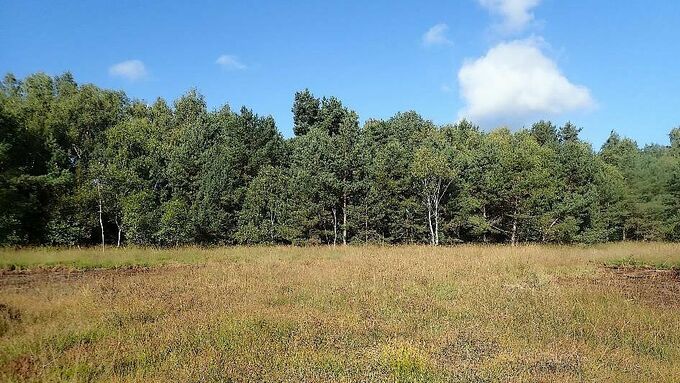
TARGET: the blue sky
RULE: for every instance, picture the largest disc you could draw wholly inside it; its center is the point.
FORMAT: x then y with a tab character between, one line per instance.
601	65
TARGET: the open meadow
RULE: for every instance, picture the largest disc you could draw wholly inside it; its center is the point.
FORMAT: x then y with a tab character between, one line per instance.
410	313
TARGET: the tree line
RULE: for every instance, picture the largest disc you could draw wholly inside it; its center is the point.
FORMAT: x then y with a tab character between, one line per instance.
81	165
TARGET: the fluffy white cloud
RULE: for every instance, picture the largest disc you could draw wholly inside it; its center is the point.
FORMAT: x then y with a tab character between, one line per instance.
514	83
131	70
436	36
515	14
230	62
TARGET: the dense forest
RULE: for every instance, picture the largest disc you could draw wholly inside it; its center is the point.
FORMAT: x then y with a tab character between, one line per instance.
80	165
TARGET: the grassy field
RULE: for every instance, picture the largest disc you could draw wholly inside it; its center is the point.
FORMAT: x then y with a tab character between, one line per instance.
406	314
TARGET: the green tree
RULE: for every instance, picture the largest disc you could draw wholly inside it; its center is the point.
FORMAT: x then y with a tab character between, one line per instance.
520	180
79	163
622	155
306	112
433	170
347	166
546	133
265	216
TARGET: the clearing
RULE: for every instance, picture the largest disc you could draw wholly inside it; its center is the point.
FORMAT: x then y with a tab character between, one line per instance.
464	313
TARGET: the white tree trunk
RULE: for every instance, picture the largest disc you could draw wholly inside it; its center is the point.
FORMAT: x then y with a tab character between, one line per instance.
120	231
484	215
544	238
513	233
436	224
429	220
344	218
101	221
335	226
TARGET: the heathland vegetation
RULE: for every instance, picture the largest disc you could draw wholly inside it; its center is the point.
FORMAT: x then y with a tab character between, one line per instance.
81	165
469	313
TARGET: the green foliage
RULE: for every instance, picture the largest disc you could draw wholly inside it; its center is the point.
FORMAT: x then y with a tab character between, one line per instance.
306	112
265	216
140	215
173	175
175	227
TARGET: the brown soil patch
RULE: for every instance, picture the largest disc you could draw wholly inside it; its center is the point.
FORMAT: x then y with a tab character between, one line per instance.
26	278
650	286
653	287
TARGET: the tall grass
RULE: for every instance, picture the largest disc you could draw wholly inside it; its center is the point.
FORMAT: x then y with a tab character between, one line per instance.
466	313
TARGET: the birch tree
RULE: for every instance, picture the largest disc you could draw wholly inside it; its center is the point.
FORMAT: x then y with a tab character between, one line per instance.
266	208
433	170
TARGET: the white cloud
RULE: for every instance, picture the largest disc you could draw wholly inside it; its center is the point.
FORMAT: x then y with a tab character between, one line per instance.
131	70
437	35
515	14
514	83
230	62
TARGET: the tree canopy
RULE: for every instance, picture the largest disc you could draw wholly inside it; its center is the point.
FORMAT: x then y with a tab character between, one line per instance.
79	163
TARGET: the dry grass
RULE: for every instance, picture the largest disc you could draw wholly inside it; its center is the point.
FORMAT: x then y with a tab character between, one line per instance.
468	313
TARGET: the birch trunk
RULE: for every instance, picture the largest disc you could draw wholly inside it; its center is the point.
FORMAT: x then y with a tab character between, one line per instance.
544	237
120	231
429	220
484	215
436	222
513	235
335	226
101	221
344	219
